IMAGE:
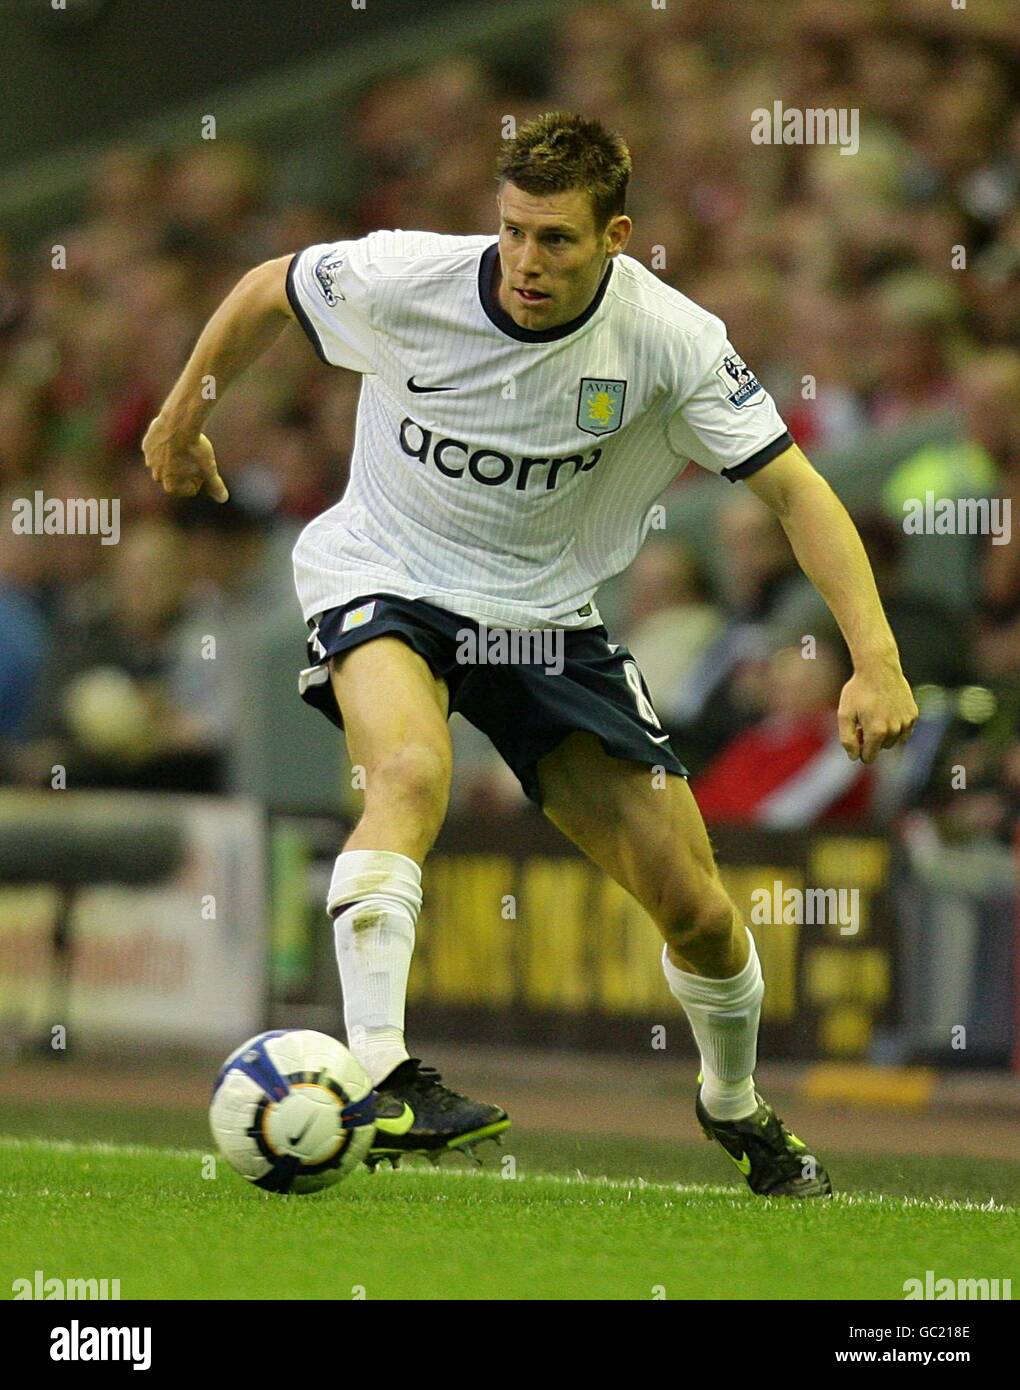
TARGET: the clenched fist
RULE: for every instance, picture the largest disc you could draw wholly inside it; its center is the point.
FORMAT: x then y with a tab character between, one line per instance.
182	465
876	710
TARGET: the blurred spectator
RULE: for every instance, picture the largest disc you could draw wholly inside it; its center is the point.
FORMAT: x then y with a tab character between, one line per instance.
992	392
24	632
671	617
110	716
790	770
932	637
914	316
719	692
975	794
984	463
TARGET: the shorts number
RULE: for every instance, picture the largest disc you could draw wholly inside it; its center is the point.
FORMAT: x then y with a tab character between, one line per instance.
633	678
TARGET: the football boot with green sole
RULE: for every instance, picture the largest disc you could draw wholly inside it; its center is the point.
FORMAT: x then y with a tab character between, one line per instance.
417	1114
775	1162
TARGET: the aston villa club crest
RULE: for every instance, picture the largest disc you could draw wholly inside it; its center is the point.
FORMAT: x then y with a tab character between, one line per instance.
357	617
327	268
600	405
742	386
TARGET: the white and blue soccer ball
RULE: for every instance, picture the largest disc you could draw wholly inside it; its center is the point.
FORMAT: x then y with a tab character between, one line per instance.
293	1111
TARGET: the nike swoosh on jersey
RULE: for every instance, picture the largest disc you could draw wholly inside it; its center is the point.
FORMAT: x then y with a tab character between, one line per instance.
662	739
412	385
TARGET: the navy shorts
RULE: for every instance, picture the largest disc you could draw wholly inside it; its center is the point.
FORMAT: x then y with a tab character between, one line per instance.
526	690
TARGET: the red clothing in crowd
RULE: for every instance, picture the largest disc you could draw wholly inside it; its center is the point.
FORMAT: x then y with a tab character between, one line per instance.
785	771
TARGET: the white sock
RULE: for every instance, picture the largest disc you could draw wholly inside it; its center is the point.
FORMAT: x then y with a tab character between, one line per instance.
374	941
723	1015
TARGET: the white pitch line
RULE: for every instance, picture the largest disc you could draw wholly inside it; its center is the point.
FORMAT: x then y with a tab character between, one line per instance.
852	1199
99	1146
702	1189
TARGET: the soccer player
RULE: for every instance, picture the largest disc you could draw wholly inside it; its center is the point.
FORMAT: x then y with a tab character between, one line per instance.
525	399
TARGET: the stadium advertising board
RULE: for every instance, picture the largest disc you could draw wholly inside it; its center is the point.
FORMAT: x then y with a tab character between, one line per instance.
521	940
131	917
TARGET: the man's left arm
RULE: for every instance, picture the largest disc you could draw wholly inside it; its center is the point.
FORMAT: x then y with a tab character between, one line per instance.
876	708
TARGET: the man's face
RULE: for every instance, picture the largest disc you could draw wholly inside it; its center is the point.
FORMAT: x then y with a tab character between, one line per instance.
551	254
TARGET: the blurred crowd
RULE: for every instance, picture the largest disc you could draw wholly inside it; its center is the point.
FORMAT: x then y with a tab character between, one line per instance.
867	291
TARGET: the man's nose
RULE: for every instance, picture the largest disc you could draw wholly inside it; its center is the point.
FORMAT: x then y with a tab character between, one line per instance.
530	262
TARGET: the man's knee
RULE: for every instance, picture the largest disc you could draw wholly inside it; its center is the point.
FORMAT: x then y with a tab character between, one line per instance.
415	774
695	910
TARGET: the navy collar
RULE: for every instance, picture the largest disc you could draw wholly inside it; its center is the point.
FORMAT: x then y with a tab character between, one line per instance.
498	315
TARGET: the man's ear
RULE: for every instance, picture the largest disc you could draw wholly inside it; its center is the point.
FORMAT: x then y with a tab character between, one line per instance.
618	232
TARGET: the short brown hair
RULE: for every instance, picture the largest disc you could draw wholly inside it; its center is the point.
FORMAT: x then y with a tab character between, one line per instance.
560	151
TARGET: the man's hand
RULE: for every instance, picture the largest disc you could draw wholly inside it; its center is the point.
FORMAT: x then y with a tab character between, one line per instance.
876	710
182	466
252	317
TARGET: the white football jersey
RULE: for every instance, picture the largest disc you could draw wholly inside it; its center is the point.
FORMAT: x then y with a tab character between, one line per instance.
500	472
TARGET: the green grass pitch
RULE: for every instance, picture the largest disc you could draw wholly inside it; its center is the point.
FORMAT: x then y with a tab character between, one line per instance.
574	1222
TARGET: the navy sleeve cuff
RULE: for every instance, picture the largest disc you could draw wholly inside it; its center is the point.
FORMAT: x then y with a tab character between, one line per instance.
760	459
302	317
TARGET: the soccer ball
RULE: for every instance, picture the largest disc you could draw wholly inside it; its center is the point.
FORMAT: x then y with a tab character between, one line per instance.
293	1111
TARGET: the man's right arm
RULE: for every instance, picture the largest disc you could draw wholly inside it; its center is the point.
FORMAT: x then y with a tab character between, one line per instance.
249	320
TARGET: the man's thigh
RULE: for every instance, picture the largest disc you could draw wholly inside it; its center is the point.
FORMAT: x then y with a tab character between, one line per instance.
641	825
390	700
